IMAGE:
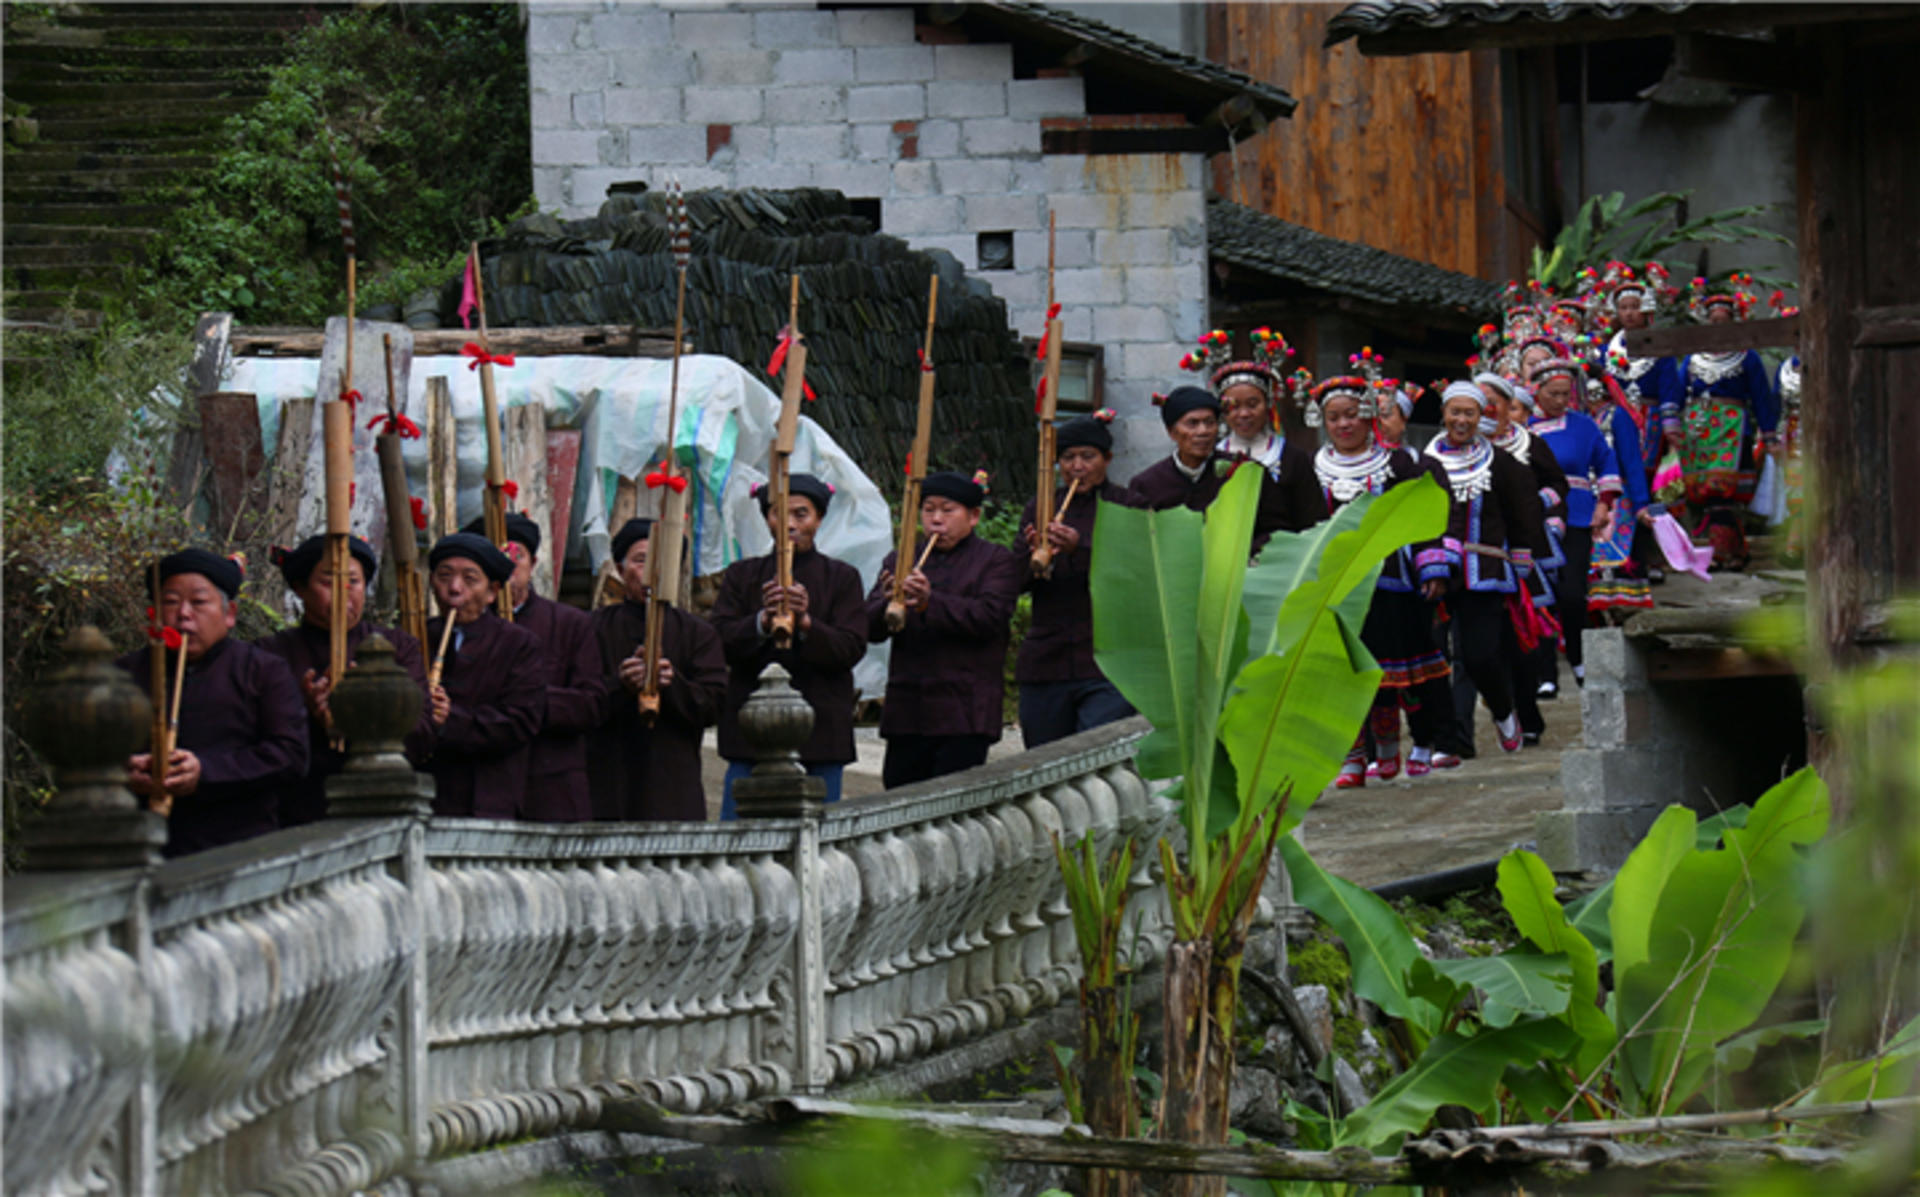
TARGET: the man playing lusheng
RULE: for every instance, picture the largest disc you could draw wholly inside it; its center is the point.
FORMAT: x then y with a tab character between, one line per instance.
305	647
635	771
491	700
829	637
1062	691
946	681
243	730
576	685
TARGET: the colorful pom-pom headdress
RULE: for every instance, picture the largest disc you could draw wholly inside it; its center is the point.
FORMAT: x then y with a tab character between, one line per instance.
1735	292
1366	384
1215	359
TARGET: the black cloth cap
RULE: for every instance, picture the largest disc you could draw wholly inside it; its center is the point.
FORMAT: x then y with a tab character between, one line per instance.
805	485
631	533
1185	399
223	572
297	565
476	548
1088	431
958	487
520	530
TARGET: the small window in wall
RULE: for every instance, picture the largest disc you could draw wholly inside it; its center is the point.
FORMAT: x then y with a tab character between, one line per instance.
866	209
1082	374
994	251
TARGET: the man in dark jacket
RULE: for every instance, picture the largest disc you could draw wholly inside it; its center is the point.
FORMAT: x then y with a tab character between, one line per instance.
1186	477
491	699
636	771
947	677
1062	691
829	637
242	737
577	687
306	648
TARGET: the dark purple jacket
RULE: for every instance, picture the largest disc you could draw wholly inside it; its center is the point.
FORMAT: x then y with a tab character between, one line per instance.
241	713
494	680
1290	497
640	772
1059	643
303	647
1162	485
947	676
577	692
821	661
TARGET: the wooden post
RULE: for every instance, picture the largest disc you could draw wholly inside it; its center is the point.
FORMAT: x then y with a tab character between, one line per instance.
338	416
494	497
916	471
526	448
669	535
443	462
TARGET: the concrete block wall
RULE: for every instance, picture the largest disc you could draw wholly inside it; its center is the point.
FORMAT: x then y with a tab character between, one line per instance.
943	135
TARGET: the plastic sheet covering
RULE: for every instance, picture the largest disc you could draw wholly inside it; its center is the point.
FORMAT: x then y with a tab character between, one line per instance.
724	441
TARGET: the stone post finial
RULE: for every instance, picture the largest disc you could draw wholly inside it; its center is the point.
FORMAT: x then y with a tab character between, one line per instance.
374	707
87	718
776	720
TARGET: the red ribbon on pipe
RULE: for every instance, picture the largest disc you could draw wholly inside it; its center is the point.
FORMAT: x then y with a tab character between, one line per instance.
1053	313
350	398
407	429
926	367
674	482
419	509
779	359
169	636
509	488
480	356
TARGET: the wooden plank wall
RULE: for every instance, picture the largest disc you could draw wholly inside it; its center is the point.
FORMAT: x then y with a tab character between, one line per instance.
1396	153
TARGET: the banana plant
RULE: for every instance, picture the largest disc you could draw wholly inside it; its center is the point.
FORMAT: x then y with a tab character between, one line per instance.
1255	681
1607	228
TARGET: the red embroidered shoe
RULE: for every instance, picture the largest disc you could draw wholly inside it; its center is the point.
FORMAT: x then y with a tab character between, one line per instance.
1417	767
1386	770
1510	744
1350	781
1445	760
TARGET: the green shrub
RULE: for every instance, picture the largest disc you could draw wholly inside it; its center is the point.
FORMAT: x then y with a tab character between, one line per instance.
425	109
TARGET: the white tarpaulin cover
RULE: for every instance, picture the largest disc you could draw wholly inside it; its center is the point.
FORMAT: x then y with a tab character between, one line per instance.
619	404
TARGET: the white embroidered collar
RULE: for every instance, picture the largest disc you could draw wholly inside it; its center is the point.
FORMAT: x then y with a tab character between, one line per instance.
1712	367
1344	477
1469	469
1517	441
1266	450
1192	473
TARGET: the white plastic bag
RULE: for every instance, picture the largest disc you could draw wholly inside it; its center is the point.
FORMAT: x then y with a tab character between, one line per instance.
1769	496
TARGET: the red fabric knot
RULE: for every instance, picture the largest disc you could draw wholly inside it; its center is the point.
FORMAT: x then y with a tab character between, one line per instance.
481	356
674	482
779	359
395	423
909	469
170	637
419	509
509	488
353	488
1040	350
926	367
351	398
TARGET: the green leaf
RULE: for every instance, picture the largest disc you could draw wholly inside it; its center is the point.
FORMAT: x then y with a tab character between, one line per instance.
1637	886
1526	891
1378	943
1454	1071
1293	715
1220	624
1145	644
1515	983
1542	1087
1722	937
1890	1072
1737	1053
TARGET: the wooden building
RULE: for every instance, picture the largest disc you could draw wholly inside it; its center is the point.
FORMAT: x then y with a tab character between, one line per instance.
1857	146
1445	158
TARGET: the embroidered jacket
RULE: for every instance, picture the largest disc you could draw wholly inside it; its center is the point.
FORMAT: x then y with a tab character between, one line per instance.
1592	471
1375	471
1495	525
1741	378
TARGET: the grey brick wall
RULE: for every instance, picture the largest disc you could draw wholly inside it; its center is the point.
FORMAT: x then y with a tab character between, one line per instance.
943	135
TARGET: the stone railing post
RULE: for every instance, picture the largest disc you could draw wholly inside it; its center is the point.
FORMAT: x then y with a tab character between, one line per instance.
374	707
86	719
776	721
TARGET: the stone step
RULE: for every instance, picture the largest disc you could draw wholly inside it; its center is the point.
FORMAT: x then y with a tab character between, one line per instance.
22	234
99	278
148	109
186	16
39	316
134	122
30	36
156	59
26	73
19	191
106	180
43	160
79	212
87	293
86	89
76	255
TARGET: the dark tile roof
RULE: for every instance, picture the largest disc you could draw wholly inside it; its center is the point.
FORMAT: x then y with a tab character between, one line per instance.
1369	17
1243	237
1139	53
1440	26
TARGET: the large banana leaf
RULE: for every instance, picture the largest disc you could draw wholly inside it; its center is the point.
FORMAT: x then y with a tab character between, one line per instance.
1293	715
1591	914
1514	984
1639	883
1288	562
1453	1071
1221	628
1890	1072
1722	939
1145	582
1526	890
1378	943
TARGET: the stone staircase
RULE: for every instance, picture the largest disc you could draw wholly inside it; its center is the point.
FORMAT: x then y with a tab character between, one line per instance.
117	98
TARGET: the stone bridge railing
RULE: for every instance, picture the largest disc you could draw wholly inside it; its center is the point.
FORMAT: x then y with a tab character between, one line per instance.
332	1007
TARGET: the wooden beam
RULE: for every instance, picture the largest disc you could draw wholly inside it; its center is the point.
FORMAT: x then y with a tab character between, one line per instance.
594	340
1713	338
1736	62
1888	327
